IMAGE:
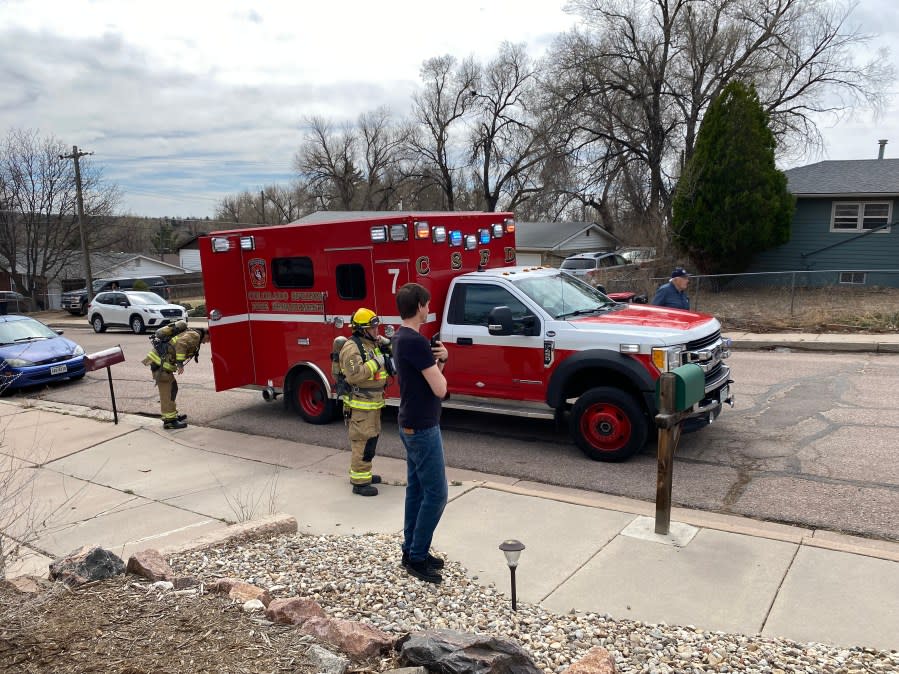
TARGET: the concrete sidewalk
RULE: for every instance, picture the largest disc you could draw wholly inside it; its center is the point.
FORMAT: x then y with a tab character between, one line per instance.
134	486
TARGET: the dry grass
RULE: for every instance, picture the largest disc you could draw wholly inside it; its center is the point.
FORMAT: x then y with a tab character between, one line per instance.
835	308
117	626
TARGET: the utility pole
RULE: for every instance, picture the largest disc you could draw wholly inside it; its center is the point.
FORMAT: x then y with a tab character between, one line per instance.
76	155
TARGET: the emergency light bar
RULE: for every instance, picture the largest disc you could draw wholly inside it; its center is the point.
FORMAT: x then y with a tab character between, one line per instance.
484	236
455	238
247	243
220	244
498	231
379	234
398	233
438	234
471	242
510	225
422	229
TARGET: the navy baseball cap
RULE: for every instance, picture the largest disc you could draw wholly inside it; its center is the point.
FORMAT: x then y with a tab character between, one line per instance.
679	271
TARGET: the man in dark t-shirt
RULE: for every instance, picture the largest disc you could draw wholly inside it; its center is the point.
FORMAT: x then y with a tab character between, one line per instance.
419	366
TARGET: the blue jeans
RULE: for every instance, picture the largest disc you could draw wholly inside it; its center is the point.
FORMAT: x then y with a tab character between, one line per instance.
426	489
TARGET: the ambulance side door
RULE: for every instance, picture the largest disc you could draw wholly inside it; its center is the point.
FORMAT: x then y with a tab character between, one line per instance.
481	364
226	270
350	270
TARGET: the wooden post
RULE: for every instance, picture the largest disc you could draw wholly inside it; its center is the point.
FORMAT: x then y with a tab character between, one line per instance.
668	436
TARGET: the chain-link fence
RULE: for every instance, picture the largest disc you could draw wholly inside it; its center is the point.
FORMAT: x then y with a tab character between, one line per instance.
822	300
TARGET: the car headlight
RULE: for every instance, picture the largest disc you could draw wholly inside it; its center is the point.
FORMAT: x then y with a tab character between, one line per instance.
148	310
78	350
18	362
666	358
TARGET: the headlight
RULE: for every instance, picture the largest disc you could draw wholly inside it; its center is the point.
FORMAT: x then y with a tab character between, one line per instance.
78	350
666	358
18	362
150	311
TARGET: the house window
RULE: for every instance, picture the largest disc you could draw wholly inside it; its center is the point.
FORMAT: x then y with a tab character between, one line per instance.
849	216
853	277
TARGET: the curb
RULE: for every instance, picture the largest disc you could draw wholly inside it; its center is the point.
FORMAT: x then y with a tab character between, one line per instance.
254	530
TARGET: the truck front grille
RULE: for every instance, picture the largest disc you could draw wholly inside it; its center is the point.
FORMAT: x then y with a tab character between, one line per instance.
703	342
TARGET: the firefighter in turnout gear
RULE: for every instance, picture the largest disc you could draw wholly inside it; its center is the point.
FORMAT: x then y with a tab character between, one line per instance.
365	363
167	358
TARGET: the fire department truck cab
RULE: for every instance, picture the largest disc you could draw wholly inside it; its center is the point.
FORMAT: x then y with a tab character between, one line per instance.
529	341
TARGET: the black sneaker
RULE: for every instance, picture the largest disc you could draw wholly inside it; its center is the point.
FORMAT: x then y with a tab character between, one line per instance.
172	424
432	561
422	571
365	490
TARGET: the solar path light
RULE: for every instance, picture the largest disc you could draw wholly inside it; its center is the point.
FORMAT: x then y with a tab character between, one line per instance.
512	550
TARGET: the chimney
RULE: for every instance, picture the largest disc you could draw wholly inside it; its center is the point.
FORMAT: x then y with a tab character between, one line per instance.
883	144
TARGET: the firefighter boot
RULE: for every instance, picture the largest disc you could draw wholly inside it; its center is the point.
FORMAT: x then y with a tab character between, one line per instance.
172	424
375	479
365	490
182	417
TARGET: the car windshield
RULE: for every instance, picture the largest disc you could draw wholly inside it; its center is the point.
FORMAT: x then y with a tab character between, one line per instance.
562	295
24	331
145	298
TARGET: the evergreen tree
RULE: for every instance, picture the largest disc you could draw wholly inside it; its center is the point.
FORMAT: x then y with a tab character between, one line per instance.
731	201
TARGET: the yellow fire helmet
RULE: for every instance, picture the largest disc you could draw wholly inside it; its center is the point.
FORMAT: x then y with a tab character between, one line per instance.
364	318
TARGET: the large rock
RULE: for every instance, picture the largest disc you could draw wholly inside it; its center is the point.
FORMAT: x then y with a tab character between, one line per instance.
452	652
239	590
293	611
150	564
358	640
595	661
325	661
86	564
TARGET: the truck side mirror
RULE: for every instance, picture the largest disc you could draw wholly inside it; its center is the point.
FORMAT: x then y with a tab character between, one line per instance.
530	325
499	321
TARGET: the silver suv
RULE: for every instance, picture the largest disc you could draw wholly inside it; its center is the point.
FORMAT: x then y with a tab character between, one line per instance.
583	263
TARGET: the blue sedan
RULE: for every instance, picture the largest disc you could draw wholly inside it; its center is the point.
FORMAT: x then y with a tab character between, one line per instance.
32	354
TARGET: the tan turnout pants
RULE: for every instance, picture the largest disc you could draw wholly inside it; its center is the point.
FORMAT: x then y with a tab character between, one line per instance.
365	427
168	391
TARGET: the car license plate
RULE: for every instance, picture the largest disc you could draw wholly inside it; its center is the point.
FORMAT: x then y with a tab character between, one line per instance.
724	393
58	369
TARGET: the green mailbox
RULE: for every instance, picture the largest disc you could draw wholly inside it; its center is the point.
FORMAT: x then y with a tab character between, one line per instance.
689	387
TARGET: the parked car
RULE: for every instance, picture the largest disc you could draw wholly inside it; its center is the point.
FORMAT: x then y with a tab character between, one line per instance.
75	301
638	256
132	309
11	301
583	263
31	353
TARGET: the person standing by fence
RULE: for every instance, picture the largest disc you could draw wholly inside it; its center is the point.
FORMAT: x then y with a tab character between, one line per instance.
673	294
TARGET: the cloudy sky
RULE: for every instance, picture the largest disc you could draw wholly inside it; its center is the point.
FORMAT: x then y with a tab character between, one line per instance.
185	102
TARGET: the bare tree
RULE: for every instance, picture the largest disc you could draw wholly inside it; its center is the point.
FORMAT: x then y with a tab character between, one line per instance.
38	225
637	79
382	142
327	162
434	142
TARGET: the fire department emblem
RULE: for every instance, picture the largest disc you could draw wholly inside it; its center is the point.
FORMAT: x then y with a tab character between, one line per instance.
257	273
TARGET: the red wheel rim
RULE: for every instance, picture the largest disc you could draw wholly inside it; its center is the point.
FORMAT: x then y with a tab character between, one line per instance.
311	398
606	427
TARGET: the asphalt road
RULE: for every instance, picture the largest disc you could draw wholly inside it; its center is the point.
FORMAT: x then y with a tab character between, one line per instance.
810	441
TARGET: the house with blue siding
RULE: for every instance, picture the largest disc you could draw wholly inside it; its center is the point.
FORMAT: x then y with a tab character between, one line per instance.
845	222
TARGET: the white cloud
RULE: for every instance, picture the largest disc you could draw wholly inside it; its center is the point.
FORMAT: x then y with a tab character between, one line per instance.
185	102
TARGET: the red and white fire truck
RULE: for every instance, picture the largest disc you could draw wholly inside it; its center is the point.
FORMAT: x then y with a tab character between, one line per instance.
530	341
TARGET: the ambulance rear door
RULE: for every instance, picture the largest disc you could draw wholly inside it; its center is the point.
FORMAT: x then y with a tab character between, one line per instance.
227	269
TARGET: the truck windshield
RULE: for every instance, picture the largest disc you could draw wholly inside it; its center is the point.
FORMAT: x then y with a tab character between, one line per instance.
562	295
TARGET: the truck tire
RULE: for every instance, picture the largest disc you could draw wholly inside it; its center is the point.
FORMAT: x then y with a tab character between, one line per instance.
83	310
310	399
608	424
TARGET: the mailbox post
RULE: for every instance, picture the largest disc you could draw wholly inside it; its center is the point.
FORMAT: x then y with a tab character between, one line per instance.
105	358
676	392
